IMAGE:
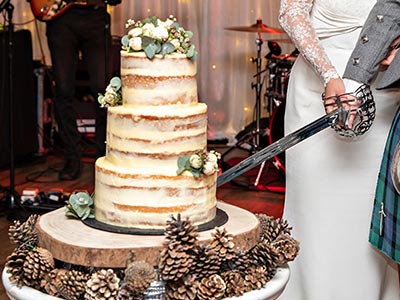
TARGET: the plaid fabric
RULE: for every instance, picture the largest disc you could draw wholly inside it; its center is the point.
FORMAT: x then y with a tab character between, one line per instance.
385	230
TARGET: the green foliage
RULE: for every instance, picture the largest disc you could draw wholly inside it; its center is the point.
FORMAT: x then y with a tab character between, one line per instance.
184	165
80	206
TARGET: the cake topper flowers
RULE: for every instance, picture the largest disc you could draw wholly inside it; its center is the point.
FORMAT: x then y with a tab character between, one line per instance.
202	162
113	94
154	36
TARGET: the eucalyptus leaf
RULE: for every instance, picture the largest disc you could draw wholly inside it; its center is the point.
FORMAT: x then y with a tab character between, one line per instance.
125	40
167	48
189	34
196	173
158	45
182	161
150	50
153	20
116	83
190	52
146	40
146	20
180	171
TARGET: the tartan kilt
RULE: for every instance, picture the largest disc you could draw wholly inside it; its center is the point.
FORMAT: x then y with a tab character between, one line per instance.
385	230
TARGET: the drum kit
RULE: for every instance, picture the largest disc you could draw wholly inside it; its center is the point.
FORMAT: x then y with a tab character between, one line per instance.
275	77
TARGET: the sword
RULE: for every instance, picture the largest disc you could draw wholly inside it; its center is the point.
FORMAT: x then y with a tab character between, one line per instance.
282	144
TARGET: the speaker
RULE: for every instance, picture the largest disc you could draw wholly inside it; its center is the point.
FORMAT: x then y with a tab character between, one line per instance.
24	101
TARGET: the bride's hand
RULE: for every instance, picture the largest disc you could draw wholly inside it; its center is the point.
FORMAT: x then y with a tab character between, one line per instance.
335	95
333	88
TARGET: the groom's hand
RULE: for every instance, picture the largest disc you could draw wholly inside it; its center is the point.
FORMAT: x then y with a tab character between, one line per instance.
394	48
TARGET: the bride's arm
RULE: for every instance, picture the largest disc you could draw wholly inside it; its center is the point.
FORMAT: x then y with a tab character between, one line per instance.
294	17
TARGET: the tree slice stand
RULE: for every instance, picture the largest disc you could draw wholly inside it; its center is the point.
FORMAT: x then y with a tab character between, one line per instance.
72	241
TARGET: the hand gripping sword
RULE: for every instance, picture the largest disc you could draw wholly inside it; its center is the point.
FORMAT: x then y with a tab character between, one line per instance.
337	119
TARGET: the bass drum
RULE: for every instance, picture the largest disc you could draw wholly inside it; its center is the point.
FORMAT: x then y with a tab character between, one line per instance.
276	127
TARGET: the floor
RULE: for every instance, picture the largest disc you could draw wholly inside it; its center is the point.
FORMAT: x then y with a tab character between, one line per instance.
40	172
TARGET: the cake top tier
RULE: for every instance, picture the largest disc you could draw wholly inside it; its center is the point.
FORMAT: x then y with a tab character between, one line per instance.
154	36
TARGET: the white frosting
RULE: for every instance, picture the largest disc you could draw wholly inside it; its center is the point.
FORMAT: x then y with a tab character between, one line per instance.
160	120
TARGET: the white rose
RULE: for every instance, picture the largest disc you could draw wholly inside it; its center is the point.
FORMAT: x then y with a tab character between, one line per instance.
160	32
195	161
176	43
209	168
212	157
148	29
169	22
135	43
135	32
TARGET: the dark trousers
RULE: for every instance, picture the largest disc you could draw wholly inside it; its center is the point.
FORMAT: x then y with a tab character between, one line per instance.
85	30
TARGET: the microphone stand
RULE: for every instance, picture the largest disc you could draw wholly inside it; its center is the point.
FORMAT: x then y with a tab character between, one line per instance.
11	196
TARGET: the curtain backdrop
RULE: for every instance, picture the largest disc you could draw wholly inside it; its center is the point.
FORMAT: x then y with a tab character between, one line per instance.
225	69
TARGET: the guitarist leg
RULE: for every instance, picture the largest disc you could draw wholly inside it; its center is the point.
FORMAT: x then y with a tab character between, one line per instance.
95	51
64	48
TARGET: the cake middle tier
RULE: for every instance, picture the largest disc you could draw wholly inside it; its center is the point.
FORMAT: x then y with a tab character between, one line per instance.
143	136
146	197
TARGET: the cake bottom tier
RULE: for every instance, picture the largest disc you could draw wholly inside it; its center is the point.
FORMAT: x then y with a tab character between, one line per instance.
147	198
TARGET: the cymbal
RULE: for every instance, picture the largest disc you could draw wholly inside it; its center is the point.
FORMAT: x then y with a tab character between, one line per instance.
257	27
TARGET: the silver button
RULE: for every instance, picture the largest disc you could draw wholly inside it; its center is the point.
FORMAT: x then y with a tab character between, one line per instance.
379	18
356	61
364	39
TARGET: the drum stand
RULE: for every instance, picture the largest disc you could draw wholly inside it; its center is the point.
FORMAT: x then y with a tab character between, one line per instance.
11	196
253	137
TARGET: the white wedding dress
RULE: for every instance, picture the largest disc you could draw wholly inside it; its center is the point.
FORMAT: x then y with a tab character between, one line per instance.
331	180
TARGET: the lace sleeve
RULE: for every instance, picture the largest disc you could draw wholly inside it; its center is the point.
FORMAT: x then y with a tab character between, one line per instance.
294	17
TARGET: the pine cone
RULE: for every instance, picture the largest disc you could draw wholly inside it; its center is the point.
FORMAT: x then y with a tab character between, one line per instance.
175	261
256	277
103	284
38	263
25	233
125	293
206	263
272	227
211	288
238	263
182	232
223	244
183	289
139	276
73	283
15	265
235	284
263	254
51	282
286	248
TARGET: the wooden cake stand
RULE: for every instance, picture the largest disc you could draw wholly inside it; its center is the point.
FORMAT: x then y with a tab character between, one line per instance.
72	241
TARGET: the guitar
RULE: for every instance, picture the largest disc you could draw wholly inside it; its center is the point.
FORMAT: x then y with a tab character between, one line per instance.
47	10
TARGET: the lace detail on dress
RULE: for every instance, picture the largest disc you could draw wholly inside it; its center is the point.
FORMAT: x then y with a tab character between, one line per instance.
294	17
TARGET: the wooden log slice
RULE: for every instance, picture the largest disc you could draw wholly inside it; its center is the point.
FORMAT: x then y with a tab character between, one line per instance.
71	241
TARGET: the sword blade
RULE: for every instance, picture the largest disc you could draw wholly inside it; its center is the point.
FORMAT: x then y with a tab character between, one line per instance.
279	146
